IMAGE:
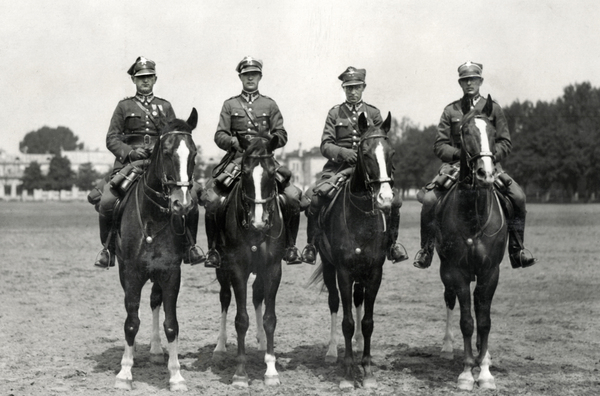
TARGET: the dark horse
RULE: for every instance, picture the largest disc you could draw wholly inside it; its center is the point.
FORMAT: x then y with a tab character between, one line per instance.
252	240
471	241
353	245
150	243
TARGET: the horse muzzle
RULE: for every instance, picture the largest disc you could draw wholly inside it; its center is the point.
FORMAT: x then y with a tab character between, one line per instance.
384	197
181	203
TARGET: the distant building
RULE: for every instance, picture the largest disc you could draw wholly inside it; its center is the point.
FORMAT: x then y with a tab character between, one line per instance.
13	166
306	166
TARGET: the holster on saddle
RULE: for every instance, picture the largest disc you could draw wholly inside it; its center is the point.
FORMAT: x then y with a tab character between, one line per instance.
329	187
122	181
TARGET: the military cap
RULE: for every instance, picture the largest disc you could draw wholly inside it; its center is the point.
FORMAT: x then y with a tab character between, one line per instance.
353	76
249	64
470	69
142	67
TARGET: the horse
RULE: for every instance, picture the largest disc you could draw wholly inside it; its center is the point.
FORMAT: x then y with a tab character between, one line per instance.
150	243
252	240
353	244
471	241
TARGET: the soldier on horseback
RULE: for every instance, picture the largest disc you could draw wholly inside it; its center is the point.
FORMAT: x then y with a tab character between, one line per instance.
447	148
134	128
339	144
248	115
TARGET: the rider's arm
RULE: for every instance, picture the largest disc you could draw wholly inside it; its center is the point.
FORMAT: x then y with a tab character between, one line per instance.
276	121
443	147
115	138
503	145
329	148
223	134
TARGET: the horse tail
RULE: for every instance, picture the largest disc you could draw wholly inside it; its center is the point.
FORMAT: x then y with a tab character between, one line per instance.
317	277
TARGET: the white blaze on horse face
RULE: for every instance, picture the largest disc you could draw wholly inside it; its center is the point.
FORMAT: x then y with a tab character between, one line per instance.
488	165
258	209
183	152
386	194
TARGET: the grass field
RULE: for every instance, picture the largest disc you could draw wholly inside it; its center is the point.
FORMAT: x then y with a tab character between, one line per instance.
61	325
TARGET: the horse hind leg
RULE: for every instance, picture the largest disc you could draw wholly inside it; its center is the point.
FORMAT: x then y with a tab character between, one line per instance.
257	300
359	296
333	300
447	351
225	299
156	351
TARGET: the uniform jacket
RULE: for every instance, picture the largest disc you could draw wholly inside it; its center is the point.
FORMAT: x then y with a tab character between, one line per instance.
341	131
447	143
234	119
129	124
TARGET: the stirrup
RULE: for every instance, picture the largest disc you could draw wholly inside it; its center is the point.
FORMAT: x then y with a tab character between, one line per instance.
213	259
402	255
309	254
104	264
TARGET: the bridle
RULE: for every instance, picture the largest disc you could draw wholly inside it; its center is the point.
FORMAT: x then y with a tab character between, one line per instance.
368	181
166	183
471	158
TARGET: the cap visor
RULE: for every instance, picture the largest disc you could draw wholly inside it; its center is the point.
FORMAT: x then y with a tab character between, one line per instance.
348	83
144	72
250	69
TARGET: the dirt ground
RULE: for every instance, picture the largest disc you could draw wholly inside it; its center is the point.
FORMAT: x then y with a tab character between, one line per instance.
61	322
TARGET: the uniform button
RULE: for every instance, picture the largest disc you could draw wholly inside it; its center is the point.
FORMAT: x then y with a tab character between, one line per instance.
249	122
235	113
264	114
249	108
353	131
249	129
147	129
354	118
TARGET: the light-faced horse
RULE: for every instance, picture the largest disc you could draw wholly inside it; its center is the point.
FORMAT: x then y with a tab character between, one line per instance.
471	241
150	243
353	246
252	241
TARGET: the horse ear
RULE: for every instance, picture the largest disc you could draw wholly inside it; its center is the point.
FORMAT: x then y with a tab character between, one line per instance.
273	143
489	106
363	124
244	143
387	124
193	119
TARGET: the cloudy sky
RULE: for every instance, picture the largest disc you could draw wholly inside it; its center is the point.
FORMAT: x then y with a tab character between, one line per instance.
64	63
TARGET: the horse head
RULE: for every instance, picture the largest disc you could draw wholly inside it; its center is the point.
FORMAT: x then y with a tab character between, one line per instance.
258	183
477	136
374	170
172	165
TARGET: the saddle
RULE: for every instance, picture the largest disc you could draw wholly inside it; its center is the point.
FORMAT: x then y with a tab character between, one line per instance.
505	203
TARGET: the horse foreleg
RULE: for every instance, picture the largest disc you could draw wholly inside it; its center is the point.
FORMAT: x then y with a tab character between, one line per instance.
448	343
332	352
345	286
465	379
483	295
371	288
272	279
124	378
171	328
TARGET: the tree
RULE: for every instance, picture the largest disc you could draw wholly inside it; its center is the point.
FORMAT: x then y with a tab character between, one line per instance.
60	176
86	177
33	178
49	140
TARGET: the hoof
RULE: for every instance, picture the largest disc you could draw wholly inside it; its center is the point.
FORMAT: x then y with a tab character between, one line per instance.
345	384
447	355
124	384
158	358
465	385
240	381
178	386
330	359
272	380
370	383
487	384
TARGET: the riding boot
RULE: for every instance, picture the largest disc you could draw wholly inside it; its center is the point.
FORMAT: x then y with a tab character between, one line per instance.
397	252
290	202
425	255
213	258
519	256
193	254
105	258
309	253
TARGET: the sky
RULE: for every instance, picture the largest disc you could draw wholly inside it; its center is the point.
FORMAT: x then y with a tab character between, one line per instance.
64	62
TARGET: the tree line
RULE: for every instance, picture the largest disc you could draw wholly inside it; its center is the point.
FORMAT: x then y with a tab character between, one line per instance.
555	147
